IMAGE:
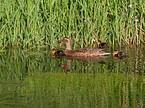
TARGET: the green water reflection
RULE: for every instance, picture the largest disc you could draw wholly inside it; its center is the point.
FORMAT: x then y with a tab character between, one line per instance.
33	79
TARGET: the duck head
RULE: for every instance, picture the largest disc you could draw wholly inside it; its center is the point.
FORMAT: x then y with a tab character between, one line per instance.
67	42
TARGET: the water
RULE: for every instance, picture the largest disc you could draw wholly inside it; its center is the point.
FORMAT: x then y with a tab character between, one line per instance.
34	79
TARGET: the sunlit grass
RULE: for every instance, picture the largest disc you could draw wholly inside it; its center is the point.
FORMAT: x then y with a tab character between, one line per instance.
42	22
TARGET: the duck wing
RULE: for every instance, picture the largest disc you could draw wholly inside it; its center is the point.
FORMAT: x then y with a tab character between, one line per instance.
87	52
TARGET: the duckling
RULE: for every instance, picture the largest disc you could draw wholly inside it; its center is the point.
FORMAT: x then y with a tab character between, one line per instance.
82	52
102	45
58	52
119	54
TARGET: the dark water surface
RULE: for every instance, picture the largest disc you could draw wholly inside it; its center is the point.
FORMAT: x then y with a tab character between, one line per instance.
34	79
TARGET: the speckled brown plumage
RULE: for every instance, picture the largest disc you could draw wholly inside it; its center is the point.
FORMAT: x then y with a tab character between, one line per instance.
83	51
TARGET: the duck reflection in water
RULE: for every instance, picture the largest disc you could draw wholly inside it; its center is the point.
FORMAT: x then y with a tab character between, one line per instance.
68	66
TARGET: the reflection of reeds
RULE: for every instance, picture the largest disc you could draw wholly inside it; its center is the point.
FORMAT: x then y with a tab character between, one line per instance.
28	23
37	80
136	58
84	89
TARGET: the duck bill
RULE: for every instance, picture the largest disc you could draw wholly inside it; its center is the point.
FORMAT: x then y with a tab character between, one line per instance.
58	42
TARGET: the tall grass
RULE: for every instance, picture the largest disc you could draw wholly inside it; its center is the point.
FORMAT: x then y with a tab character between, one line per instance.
43	22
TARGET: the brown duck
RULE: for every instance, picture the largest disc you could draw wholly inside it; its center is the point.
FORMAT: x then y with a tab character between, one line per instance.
91	52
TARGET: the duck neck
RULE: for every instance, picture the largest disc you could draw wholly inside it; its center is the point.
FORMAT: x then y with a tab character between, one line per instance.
68	47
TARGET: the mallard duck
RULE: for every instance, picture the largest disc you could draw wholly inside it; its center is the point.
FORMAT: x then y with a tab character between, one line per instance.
57	52
102	45
82	52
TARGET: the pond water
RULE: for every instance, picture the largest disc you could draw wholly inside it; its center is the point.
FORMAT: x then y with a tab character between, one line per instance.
36	79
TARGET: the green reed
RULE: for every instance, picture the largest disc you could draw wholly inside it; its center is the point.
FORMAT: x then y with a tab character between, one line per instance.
42	22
